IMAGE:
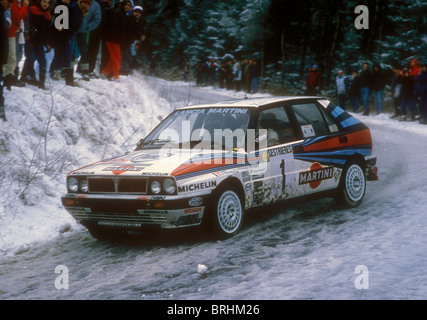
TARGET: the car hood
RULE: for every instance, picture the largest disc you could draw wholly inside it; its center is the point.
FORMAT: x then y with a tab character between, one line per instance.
174	162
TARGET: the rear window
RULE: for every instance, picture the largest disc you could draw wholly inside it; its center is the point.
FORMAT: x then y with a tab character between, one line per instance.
311	120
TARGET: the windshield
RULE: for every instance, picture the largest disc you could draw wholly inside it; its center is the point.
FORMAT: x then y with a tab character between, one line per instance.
224	127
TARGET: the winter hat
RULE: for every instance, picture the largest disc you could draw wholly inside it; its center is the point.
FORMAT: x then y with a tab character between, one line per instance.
138	8
86	1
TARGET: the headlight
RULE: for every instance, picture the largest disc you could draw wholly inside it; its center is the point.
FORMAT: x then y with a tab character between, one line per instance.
73	185
169	186
155	187
84	187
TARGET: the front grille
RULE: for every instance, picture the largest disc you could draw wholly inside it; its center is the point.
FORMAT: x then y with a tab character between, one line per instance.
120	185
101	185
133	185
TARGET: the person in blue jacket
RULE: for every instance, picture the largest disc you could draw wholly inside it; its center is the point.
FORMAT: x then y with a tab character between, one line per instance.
90	22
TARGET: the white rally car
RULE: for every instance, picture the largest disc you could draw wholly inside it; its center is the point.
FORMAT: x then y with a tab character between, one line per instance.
209	164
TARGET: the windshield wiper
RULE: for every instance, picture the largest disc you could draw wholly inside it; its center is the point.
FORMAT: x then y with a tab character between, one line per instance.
153	141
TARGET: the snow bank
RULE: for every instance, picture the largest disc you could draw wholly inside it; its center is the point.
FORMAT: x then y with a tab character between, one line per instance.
51	132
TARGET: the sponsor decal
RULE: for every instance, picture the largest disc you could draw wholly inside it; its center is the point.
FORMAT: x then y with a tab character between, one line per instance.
119	224
228	110
191	111
307	131
197	186
279	151
265	156
195	202
154	173
122	169
193	210
315	175
152	211
149	157
83	173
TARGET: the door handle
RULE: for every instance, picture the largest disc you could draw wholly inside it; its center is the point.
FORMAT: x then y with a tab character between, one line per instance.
343	139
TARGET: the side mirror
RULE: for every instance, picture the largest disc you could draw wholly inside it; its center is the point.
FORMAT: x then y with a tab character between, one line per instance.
139	144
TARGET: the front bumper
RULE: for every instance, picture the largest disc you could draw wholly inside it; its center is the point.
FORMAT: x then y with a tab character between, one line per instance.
134	212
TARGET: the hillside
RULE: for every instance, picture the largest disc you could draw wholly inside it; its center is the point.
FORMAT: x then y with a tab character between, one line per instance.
51	132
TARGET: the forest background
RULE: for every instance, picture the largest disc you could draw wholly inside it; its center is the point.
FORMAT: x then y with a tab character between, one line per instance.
285	36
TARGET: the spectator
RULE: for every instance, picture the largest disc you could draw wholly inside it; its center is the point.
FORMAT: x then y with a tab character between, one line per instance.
409	98
396	90
136	33
4	50
421	91
204	71
212	72
313	81
237	72
342	88
355	92
38	34
365	87
113	34
255	73
91	12
17	14
228	75
413	68
243	68
378	85
248	76
96	40
19	45
63	40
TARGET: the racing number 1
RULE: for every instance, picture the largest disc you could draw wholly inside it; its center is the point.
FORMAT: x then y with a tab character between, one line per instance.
282	166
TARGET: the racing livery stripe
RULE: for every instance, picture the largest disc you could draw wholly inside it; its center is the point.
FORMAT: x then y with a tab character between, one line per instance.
346	120
209	170
358	138
340	152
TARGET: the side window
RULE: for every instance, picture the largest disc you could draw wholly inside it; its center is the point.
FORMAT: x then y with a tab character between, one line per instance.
310	120
278	126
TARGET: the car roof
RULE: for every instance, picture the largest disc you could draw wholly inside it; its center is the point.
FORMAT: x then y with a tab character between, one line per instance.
251	103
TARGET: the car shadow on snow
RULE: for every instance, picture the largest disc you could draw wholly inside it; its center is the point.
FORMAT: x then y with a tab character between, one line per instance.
280	217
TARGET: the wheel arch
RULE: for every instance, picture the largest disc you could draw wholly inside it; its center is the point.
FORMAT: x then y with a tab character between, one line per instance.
231	182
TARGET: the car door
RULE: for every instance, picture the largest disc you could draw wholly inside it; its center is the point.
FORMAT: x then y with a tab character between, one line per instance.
315	127
272	178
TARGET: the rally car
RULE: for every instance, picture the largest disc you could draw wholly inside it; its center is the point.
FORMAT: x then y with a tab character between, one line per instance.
208	164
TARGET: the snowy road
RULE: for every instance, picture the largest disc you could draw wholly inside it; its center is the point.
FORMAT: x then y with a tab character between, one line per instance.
307	251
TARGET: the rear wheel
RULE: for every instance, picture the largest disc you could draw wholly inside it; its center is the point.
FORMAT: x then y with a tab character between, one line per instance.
352	187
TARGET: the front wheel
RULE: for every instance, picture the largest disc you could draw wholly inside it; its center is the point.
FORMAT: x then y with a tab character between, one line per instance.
352	187
226	214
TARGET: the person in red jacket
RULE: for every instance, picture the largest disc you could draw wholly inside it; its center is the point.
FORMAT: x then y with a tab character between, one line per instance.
18	11
414	70
313	81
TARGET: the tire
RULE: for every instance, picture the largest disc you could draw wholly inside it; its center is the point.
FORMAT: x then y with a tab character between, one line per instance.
352	187
226	214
